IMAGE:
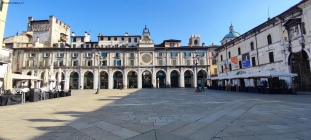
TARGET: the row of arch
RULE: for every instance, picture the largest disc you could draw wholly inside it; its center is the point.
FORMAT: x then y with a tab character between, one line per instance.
162	80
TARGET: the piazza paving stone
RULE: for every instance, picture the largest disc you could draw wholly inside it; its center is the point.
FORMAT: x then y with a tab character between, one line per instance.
160	114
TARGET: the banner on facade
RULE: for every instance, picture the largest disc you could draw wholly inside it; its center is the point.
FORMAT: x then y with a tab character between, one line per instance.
234	63
245	60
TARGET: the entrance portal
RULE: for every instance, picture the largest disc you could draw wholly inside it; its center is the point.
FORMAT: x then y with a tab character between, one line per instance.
117	79
147	79
300	64
188	78
161	76
174	78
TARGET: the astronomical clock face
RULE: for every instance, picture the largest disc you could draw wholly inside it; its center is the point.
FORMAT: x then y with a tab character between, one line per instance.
146	59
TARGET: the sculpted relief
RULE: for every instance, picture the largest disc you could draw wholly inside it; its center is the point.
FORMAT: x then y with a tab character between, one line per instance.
40	27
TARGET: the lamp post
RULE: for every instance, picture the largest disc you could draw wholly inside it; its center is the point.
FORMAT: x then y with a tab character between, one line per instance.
99	64
196	58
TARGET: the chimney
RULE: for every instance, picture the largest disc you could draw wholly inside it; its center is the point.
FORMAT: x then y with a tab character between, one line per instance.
30	18
203	44
73	34
126	33
212	44
38	39
268	18
85	34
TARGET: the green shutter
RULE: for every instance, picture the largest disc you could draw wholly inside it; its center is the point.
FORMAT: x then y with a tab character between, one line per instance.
69	63
201	62
160	62
132	62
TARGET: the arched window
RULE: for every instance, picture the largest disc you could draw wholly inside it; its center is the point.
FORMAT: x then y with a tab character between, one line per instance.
239	51
229	54
196	42
269	39
252	46
220	57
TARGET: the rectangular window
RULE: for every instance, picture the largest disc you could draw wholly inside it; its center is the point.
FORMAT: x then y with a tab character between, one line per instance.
32	55
174	54
89	63
82	39
214	61
89	55
174	62
201	54
87	46
104	63
187	54
74	55
81	45
222	69
109	38
60	62
271	57
135	39
117	62
74	39
230	67
160	62
122	38
104	54
116	45
188	62
74	46
46	55
101	38
31	63
201	62
131	55
60	54
75	63
160	54
253	61
115	39
129	40
132	62
215	71
117	54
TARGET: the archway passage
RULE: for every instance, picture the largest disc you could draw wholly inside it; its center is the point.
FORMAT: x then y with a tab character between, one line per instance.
188	75
103	80
161	76
202	77
174	78
146	79
300	64
117	79
74	80
132	79
88	80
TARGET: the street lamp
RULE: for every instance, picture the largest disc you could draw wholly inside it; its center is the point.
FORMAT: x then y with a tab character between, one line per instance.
196	58
99	64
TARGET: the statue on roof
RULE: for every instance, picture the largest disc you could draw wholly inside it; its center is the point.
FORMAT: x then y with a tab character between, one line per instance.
146	29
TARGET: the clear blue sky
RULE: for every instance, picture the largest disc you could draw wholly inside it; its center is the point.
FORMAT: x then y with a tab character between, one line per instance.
166	19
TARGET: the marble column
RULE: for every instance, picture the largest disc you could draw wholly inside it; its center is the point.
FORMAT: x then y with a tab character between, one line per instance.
96	80
195	79
110	80
182	79
81	80
125	82
67	80
139	80
154	78
168	78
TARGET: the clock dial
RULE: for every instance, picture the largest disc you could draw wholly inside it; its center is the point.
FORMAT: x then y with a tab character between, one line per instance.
146	58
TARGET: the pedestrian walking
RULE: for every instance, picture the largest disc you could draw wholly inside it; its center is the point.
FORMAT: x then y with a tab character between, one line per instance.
202	86
120	85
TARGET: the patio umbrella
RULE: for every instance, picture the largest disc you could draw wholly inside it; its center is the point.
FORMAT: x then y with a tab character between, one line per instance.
8	78
46	79
59	77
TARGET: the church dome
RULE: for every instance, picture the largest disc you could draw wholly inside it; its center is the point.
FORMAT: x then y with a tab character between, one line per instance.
232	33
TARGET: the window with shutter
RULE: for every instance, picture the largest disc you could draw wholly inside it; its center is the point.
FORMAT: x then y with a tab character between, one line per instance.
201	62
119	62
132	62
174	62
160	53
188	62
115	62
132	55
105	63
27	63
160	62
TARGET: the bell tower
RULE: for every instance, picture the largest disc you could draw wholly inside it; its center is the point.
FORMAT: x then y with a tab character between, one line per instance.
194	40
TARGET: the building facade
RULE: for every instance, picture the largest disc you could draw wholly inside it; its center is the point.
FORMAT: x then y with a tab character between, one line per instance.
131	60
281	43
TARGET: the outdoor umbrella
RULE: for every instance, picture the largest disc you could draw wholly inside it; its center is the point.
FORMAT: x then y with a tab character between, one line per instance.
46	79
59	77
8	78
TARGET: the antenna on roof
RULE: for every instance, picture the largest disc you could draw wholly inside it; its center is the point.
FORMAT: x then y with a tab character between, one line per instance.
268	14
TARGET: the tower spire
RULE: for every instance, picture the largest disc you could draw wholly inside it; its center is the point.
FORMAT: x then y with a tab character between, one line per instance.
268	13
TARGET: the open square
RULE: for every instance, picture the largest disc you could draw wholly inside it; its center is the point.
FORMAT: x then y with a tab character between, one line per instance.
169	113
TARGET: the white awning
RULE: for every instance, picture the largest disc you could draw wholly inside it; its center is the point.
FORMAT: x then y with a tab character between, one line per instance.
22	77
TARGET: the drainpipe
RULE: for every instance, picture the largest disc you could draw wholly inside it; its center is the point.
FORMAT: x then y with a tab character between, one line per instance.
257	49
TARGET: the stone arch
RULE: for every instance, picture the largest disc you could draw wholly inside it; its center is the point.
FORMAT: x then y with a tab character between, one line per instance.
29	73
161	78
88	79
132	78
202	76
188	78
117	78
104	79
74	79
174	78
146	76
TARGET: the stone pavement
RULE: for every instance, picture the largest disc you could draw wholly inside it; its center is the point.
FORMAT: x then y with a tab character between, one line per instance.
160	114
